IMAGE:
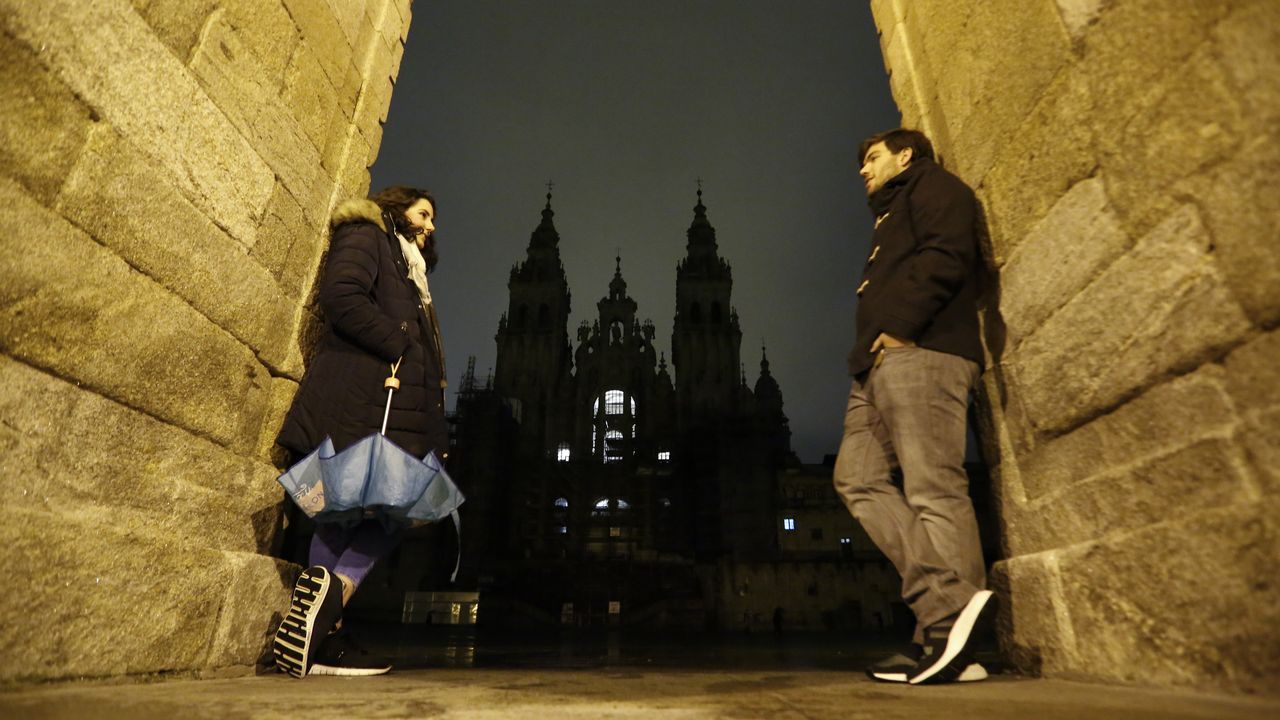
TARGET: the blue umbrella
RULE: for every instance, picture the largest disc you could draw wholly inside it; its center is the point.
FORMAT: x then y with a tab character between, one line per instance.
374	478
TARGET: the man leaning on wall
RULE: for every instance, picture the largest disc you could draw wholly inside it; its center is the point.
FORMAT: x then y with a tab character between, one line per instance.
915	359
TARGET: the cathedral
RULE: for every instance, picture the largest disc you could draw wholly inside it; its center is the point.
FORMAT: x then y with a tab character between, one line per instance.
601	479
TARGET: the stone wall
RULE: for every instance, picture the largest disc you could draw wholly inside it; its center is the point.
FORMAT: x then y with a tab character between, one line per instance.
168	166
1126	153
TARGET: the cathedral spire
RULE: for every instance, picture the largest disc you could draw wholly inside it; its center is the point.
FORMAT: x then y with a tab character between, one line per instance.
545	236
617	286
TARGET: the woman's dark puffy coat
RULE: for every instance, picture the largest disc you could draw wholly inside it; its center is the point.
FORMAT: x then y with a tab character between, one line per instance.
373	316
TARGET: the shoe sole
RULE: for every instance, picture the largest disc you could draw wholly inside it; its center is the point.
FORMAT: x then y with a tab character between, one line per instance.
319	669
292	645
972	673
944	669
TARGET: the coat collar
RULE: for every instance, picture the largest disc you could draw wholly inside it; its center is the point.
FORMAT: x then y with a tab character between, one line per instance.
361	210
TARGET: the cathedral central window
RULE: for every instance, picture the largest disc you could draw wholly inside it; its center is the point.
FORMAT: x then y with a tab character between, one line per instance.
614	415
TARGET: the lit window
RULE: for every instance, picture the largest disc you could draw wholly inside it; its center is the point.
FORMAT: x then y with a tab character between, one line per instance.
562	452
613	400
602	507
623	504
788	523
612	446
846	541
665	502
563	530
664	456
615	532
562	502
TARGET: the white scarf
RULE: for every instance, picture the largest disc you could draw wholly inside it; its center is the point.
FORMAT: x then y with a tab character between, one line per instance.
417	268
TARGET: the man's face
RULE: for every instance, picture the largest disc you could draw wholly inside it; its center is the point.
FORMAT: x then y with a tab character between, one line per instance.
880	165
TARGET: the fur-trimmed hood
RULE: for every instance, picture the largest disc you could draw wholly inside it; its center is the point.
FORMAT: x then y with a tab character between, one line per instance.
361	210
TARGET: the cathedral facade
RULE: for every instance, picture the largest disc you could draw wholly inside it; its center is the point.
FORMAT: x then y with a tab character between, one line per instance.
605	482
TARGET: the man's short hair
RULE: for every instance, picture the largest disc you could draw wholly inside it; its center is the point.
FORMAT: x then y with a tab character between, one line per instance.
898	140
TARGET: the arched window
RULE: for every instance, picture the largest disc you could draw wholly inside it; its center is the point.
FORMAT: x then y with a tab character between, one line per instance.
613	427
562	452
522	316
715	313
562	502
544	317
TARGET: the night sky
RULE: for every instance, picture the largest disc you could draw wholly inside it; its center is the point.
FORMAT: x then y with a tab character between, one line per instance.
624	105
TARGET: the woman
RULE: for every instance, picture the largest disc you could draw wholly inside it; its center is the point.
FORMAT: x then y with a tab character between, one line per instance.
378	311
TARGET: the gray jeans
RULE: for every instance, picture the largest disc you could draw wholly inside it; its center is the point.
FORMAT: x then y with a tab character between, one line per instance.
910	414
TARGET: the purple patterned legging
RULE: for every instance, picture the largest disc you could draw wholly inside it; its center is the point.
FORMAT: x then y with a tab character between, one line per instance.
351	551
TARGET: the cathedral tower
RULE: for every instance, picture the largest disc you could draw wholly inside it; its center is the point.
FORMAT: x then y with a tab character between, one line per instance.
534	357
706	338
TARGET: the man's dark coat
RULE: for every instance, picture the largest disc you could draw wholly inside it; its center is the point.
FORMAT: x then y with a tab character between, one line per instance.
920	281
373	316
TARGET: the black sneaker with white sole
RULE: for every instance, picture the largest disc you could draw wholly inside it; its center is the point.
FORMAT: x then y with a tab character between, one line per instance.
314	609
948	646
341	655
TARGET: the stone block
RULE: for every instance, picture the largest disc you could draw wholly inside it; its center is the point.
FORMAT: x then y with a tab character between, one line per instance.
267	29
1078	15
1033	627
1038	163
322	33
43	126
283	227
234	80
142	474
253	603
1248	41
1124	80
1189	602
1160	309
110	57
1189	120
282	392
350	15
1204	474
1260	436
984	104
1242	211
91	581
1253	372
177	23
1165	418
73	308
313	101
1062	254
206	268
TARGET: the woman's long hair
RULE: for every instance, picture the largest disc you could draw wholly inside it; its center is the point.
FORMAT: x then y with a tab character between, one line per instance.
395	202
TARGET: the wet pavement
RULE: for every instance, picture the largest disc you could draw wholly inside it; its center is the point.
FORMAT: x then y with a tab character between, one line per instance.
457	673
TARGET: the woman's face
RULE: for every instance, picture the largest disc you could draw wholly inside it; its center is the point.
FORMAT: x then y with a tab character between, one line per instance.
421	216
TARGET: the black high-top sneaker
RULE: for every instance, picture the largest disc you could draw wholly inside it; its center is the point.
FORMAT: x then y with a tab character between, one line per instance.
314	609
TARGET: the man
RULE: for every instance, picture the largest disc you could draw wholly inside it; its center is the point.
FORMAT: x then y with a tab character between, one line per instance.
914	361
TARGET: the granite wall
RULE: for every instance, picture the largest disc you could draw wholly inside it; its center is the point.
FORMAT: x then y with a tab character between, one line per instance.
168	168
1127	154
